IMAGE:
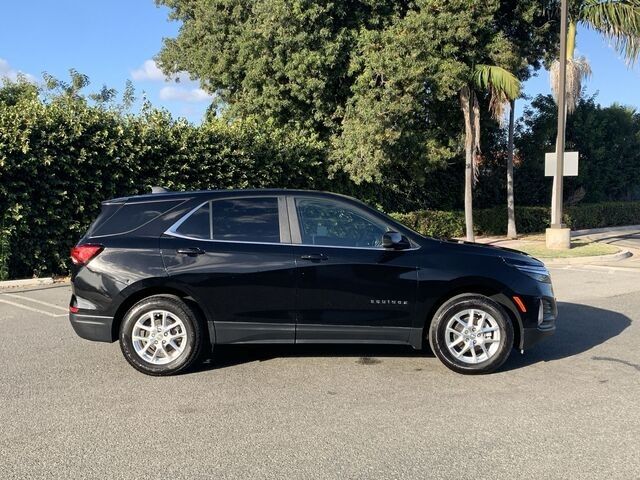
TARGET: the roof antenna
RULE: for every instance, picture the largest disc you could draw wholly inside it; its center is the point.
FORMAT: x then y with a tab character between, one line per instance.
159	190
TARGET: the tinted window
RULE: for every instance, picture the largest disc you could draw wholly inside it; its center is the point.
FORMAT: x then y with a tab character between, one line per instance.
325	222
197	225
134	215
246	219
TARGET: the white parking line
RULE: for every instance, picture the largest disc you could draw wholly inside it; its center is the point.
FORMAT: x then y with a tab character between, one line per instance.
15	304
46	304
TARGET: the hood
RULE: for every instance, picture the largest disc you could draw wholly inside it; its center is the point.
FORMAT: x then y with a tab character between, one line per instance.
491	251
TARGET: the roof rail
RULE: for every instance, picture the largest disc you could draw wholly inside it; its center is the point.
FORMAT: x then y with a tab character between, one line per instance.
158	190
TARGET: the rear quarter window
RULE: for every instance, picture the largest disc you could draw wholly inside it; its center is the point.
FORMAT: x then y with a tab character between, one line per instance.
132	216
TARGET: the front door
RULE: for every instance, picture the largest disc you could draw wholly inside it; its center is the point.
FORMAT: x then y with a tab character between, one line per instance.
235	255
349	288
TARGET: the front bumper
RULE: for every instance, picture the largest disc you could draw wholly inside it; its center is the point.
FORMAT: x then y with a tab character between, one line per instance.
92	327
531	336
546	323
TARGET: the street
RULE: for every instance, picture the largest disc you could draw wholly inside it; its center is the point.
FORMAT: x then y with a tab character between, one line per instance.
568	408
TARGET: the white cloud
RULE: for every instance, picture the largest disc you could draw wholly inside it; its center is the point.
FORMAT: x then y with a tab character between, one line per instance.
7	72
148	71
183	94
175	88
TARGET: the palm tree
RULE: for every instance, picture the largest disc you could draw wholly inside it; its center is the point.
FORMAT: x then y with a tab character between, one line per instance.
618	21
511	211
503	87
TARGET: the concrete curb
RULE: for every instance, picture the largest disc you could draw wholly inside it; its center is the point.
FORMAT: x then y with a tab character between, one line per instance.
591	231
613	257
27	282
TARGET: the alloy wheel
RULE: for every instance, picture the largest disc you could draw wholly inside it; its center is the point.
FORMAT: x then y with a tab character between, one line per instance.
473	336
159	337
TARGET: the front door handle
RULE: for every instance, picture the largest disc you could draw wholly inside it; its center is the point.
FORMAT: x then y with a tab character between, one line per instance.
191	251
314	257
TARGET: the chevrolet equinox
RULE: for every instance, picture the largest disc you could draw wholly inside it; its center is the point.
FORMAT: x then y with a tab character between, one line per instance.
172	275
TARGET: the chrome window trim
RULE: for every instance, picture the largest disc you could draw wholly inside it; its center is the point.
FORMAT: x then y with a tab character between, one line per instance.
377	249
171	231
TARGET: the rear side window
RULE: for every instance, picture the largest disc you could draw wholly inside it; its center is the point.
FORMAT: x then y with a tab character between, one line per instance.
239	219
198	224
246	219
132	216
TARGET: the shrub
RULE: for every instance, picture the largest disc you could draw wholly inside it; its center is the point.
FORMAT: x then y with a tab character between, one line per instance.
60	159
493	221
600	215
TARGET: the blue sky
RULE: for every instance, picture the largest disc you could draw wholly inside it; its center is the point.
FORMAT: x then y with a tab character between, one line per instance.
116	40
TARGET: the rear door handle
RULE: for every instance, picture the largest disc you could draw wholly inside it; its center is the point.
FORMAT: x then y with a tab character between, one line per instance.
191	251
314	257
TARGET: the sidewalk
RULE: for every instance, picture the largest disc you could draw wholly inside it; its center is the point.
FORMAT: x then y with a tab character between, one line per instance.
627	239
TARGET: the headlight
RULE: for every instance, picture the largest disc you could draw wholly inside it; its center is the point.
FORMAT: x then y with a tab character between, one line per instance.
537	272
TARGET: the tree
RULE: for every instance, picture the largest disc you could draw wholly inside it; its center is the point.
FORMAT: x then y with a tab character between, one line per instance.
511	210
377	80
608	139
285	60
617	21
503	86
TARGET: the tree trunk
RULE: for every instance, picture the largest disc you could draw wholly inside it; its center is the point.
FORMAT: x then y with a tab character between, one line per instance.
466	101
511	213
554	220
571	45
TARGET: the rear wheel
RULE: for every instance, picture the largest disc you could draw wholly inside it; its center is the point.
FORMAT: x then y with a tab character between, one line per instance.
161	335
471	334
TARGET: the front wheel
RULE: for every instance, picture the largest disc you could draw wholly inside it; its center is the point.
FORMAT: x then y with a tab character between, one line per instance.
161	335
471	334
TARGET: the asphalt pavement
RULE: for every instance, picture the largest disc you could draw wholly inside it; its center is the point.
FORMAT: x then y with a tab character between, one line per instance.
567	408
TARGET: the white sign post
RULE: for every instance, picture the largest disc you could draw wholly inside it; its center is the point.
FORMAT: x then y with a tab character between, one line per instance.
570	167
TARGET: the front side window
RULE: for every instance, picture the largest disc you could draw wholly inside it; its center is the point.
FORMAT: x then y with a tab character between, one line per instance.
326	222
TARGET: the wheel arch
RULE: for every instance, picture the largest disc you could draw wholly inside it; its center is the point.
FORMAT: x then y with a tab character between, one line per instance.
489	288
136	293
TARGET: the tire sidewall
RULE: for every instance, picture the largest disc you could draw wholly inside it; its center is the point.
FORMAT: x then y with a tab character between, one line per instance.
463	302
176	307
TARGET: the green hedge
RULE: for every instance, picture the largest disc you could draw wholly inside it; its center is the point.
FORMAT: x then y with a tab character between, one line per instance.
60	159
493	221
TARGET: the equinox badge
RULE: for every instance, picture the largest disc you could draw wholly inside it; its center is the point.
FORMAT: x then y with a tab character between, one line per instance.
389	302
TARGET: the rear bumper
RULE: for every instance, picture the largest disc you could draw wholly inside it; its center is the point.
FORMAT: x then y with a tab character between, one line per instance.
92	327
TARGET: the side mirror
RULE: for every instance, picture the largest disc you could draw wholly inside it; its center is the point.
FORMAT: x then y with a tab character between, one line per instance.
395	241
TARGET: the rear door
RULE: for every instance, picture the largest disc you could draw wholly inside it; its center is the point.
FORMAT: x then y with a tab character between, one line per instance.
235	255
350	289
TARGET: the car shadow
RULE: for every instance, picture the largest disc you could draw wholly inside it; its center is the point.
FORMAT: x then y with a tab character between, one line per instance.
579	329
231	355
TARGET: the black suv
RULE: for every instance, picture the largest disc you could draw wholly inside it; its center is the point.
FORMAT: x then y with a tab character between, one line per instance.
171	275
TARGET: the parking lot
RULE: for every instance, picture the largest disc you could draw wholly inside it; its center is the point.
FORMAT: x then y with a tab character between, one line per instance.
568	408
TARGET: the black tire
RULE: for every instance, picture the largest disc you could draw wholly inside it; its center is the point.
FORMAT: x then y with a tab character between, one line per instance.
460	303
195	335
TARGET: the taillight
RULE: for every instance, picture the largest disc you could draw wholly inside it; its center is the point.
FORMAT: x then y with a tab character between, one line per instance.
81	254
